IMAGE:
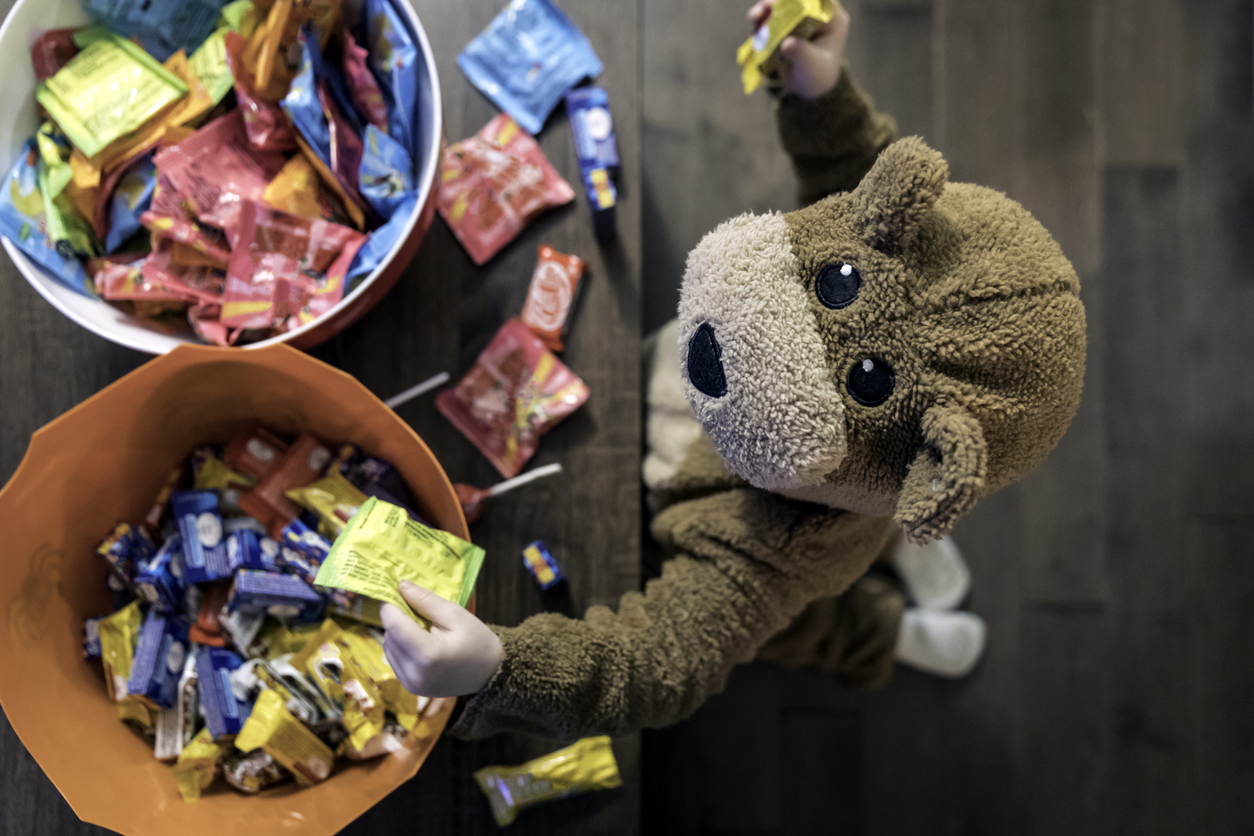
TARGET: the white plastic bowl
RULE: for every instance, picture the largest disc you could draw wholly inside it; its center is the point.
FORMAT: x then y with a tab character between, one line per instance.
18	122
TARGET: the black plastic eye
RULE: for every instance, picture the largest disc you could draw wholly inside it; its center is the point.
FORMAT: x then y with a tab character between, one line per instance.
837	285
870	382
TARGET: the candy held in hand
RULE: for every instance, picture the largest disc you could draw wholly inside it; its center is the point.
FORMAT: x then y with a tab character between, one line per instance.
759	55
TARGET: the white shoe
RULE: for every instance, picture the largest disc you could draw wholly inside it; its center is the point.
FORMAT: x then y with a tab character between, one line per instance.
939	642
935	575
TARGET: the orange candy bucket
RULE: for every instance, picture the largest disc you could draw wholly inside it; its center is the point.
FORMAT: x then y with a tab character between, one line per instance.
105	461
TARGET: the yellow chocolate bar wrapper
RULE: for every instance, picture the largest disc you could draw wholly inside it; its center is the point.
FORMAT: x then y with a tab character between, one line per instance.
363	609
333	498
329	180
118	634
277	639
320	658
295	189
197	765
788	17
367	653
215	475
583	766
381	546
273	729
111	88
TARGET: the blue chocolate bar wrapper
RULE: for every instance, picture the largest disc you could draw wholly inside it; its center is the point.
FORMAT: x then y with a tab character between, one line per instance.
527	59
276	594
224	714
302	550
131	198
393	60
592	126
125	549
160	580
205	556
248	550
159	657
22	221
542	566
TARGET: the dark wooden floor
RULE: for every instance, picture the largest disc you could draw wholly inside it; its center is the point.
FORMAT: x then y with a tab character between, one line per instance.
1117	694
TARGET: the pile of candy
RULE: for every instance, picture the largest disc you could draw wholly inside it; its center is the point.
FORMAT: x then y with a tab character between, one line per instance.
242	642
238	166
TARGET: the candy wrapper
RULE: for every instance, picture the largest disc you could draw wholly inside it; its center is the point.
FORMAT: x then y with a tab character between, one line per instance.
158	662
254	452
24	222
169	220
495	183
285	268
333	498
382	546
382	240
224	713
367	97
162	26
51	51
119	633
130	199
393	58
217	171
516	392
198	764
275	594
542	566
593	130
204	541
585	766
302	463
160	580
252	772
264	122
759	55
273	729
125	550
551	297
386	174
527	59
297	190
108	90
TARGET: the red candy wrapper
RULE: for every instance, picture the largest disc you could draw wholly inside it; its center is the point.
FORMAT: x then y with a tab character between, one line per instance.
301	465
120	278
285	267
254	453
206	322
51	51
201	284
495	183
516	392
552	294
264	121
217	170
168	219
362	84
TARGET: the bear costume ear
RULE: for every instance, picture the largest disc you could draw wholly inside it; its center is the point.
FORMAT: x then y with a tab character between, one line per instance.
946	476
898	193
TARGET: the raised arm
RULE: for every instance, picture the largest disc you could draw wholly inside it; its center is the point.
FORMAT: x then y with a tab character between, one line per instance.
746	563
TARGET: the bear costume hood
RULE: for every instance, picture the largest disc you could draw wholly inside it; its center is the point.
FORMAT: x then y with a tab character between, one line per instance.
898	350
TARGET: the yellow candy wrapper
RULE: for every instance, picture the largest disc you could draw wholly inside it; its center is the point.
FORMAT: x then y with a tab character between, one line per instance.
118	634
273	729
295	189
367	653
363	609
209	59
277	639
213	474
111	88
333	498
321	659
584	766
759	55
381	546
198	765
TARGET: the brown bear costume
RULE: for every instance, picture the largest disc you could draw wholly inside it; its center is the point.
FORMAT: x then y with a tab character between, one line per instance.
890	353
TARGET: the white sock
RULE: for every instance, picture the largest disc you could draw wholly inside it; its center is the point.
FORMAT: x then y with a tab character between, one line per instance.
941	642
935	575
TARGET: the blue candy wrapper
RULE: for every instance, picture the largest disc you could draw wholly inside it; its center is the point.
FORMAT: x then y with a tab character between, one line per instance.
593	130
276	594
542	565
224	714
205	556
386	176
527	59
131	198
22	221
162	27
248	550
126	549
381	241
302	550
393	57
91	639
160	580
159	657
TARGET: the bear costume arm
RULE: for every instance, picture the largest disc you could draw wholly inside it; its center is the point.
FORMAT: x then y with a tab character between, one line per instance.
833	141
746	562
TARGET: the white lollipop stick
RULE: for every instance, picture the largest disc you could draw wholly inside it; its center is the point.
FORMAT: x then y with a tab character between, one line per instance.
414	391
518	481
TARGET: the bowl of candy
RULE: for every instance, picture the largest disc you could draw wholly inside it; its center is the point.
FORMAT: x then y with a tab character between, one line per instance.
179	660
233	173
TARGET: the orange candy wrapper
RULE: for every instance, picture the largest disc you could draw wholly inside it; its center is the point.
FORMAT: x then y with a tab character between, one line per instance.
554	288
264	122
516	392
495	183
285	267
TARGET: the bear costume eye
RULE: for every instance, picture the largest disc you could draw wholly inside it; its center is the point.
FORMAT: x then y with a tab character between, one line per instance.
837	285
870	382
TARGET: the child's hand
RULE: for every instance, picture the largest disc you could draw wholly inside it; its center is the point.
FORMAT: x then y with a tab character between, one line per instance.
457	656
812	67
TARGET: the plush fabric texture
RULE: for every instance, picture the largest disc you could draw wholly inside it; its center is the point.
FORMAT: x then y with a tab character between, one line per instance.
963	295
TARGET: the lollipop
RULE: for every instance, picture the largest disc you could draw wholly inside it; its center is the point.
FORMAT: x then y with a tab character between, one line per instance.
472	498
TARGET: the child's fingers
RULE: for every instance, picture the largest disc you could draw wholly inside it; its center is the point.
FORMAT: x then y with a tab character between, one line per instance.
404	628
759	12
439	611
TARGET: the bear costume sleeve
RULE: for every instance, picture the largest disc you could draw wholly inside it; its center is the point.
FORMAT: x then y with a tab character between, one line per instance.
745	561
834	140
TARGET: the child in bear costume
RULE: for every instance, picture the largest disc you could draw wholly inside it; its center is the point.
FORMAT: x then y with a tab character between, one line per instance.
879	359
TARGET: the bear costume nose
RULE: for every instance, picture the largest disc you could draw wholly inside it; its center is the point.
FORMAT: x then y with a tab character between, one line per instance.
705	364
